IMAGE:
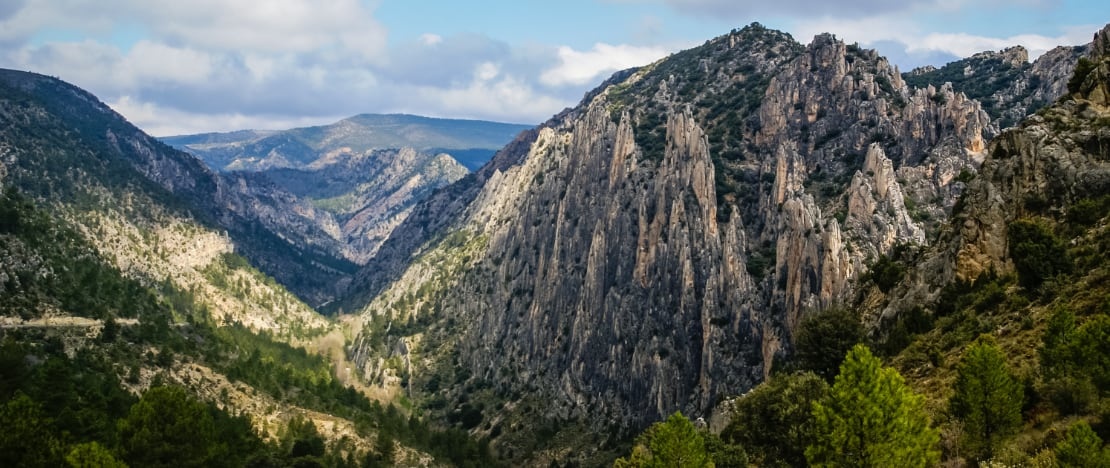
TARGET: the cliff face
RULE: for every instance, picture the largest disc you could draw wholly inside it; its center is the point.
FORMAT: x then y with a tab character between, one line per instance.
657	246
1053	160
1005	82
365	195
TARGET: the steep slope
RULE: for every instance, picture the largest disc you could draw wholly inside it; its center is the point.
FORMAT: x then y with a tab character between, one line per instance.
107	158
368	194
657	246
1008	86
116	278
1044	167
474	141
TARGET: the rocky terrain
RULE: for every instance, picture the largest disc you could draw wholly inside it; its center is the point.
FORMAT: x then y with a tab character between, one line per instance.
367	194
657	246
1005	82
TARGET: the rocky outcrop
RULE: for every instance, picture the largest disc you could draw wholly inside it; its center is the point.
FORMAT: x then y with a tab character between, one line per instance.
657	246
1009	87
1053	159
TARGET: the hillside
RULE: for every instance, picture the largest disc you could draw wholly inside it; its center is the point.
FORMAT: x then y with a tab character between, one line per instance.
471	142
1016	280
123	296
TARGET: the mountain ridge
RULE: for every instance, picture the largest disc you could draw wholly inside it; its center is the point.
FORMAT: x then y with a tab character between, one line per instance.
475	140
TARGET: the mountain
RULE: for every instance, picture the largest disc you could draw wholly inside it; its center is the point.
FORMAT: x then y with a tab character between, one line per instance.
368	194
130	327
657	246
704	226
1005	82
471	142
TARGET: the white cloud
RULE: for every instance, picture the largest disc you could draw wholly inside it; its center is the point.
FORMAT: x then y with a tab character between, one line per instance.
581	67
430	39
889	30
164	121
158	62
963	45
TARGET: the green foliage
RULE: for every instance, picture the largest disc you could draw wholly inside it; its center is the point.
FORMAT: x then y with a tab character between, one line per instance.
886	272
71	277
674	442
823	338
1076	361
1081	448
1037	253
988	399
784	403
871	419
26	438
167	427
1083	68
92	455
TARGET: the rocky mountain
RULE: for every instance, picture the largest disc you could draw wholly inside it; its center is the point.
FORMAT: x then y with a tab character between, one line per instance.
1005	82
368	194
657	246
1045	167
471	142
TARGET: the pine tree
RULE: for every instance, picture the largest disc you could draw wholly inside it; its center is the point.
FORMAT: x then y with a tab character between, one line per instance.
1081	448
988	399
674	442
871	419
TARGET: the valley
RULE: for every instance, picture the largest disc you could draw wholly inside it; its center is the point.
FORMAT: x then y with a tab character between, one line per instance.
725	248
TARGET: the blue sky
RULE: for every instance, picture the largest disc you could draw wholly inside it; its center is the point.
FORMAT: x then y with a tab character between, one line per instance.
219	65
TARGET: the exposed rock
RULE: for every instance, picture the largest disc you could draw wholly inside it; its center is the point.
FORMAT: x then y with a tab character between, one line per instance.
657	246
1009	87
1055	158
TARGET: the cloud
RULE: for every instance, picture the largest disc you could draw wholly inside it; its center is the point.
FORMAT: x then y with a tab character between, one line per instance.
905	43
747	10
581	67
167	121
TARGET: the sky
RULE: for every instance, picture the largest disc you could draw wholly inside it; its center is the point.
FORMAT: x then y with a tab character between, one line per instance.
220	65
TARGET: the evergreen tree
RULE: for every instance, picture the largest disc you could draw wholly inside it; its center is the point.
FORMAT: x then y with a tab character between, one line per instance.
25	436
825	338
784	403
871	419
1081	448
169	428
988	399
674	442
92	455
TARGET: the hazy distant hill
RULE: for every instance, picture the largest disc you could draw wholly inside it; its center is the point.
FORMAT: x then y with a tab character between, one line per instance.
472	142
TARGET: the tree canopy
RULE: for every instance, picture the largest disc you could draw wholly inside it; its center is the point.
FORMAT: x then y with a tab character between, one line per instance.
988	399
871	419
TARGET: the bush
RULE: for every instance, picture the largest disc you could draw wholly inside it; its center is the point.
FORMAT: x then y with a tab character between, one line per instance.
1037	253
823	339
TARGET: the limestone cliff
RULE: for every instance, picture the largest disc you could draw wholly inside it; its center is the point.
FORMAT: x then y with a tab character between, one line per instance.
1055	158
657	246
1005	82
364	195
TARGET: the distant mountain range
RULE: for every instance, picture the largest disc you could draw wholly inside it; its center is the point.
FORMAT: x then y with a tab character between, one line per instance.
471	142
